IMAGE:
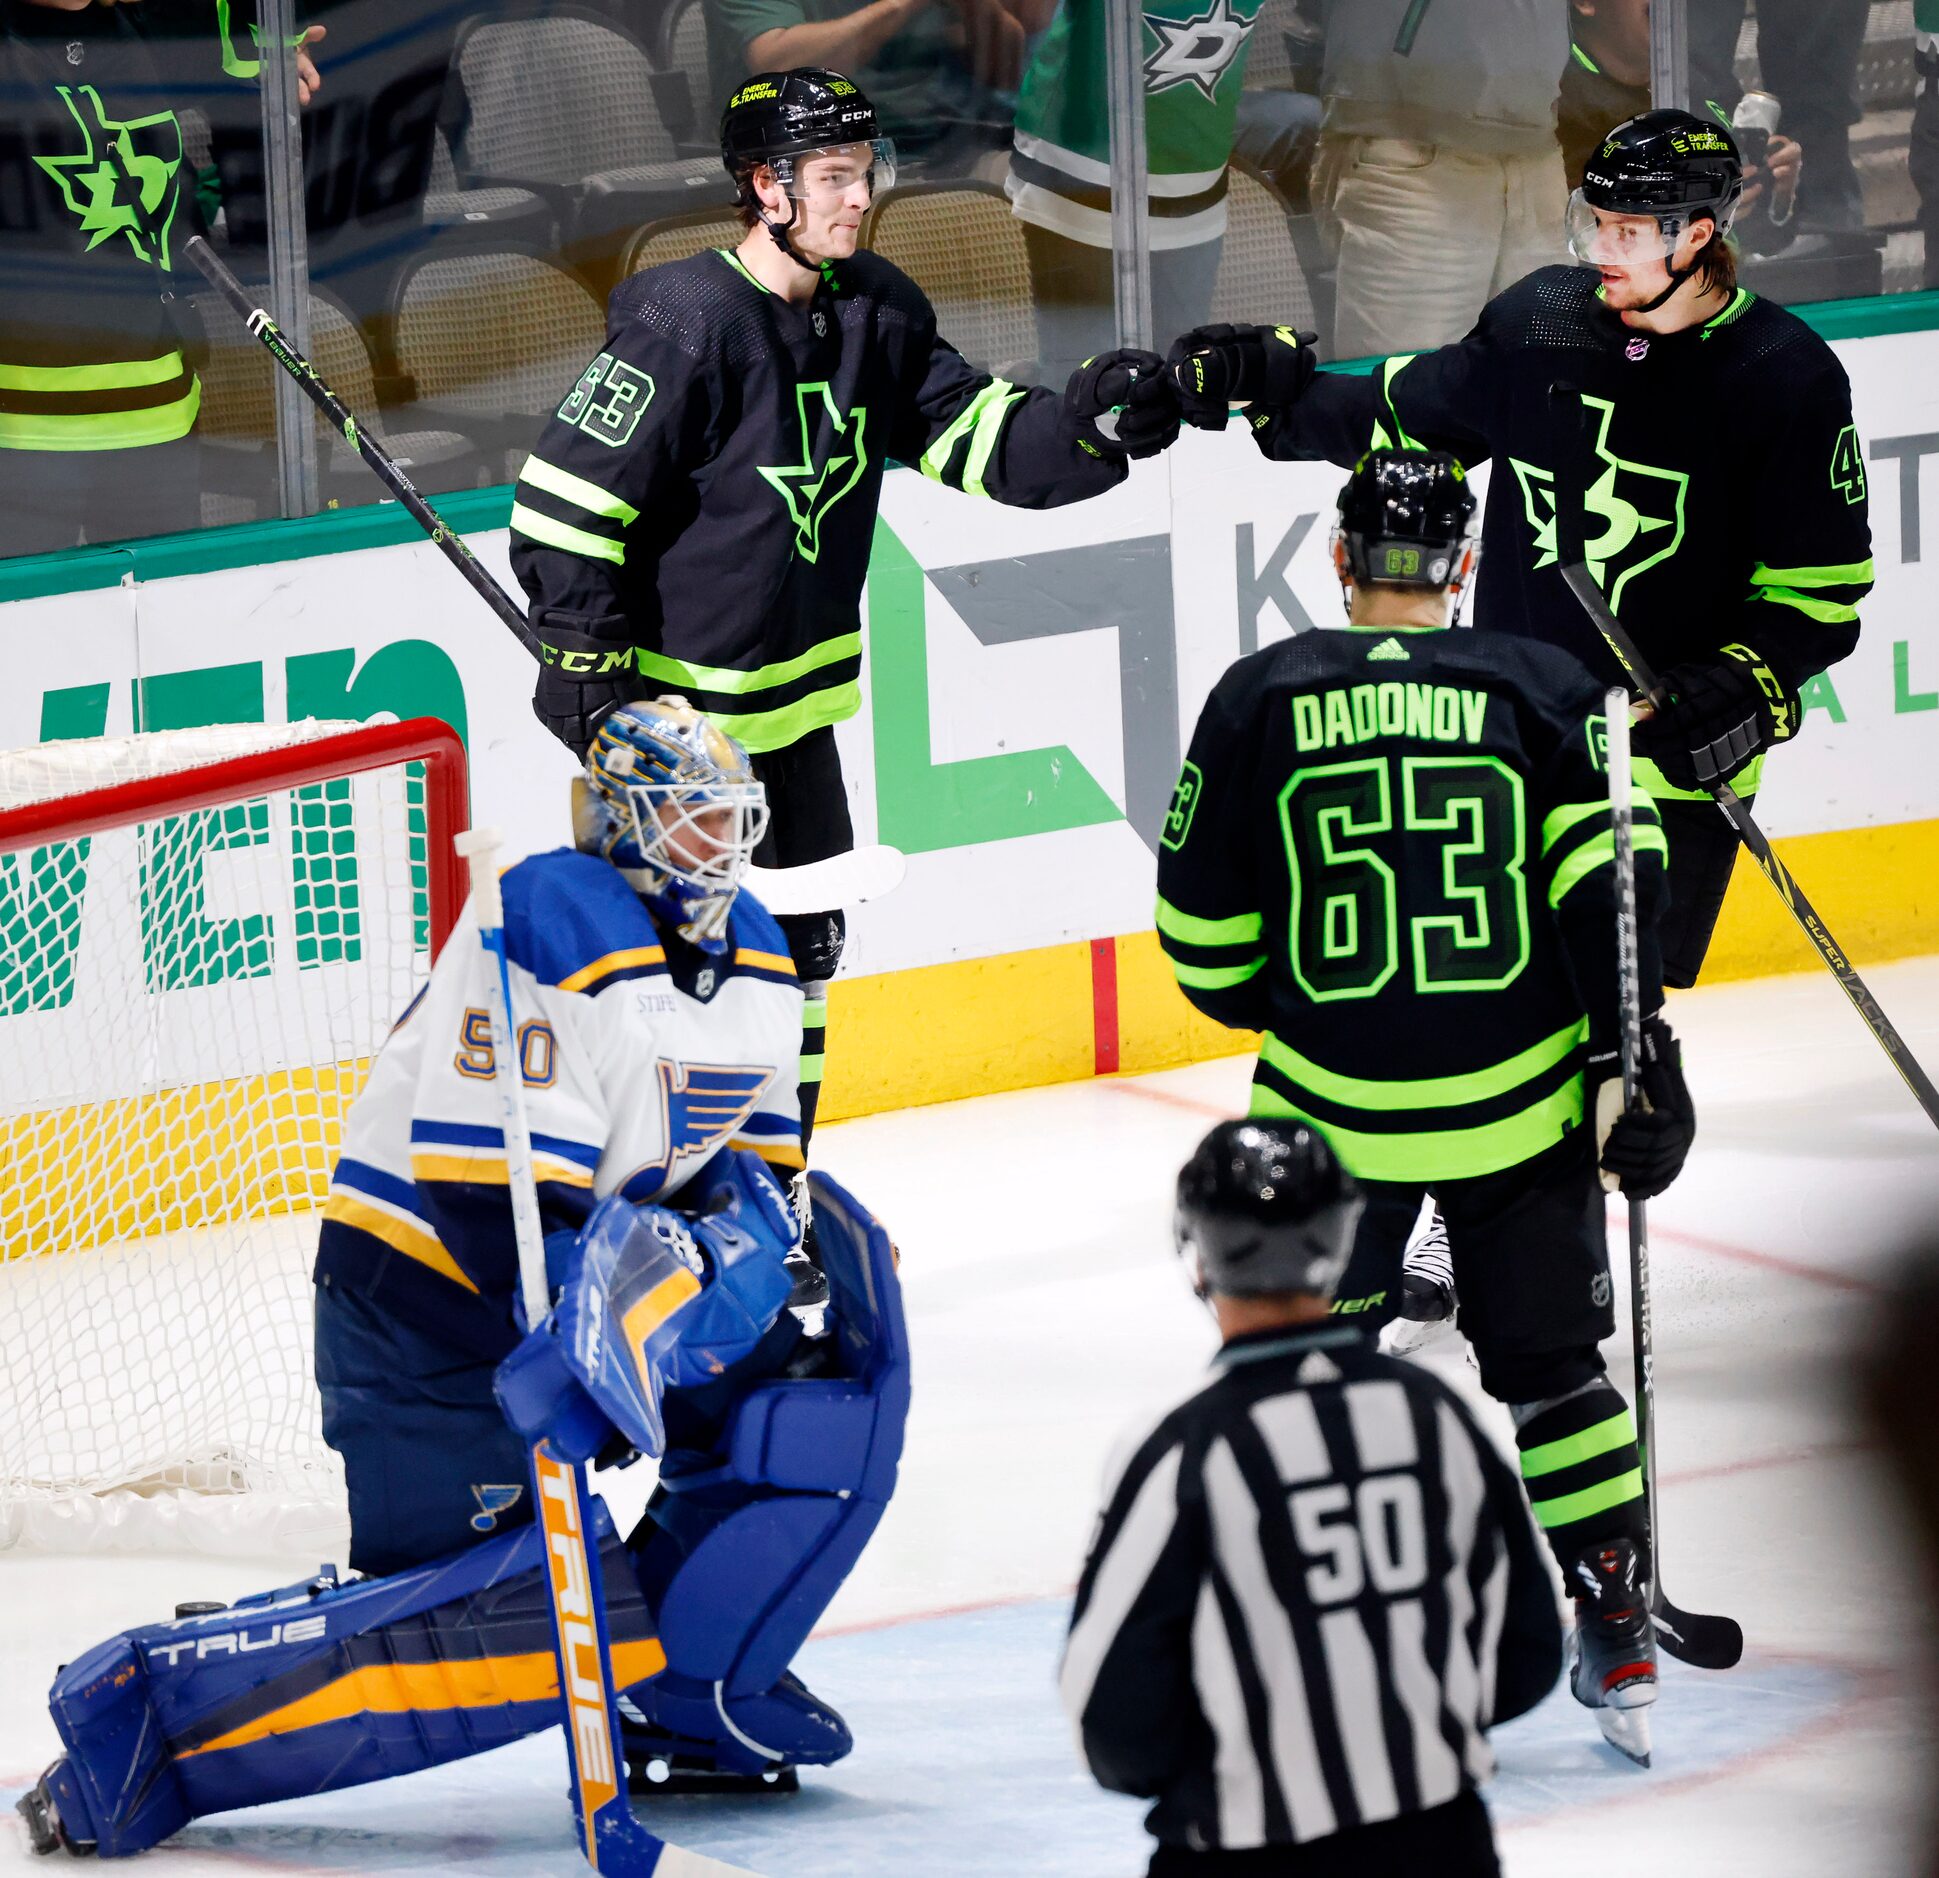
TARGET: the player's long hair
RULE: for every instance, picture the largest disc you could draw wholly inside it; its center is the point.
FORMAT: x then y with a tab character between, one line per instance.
1715	267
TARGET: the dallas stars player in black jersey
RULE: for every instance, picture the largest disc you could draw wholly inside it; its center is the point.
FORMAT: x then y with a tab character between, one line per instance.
1391	851
697	517
1700	449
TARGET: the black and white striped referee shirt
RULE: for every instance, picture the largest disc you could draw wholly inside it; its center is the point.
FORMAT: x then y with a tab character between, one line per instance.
1313	1586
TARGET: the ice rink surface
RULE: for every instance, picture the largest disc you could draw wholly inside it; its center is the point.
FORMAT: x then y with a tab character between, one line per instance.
1047	1310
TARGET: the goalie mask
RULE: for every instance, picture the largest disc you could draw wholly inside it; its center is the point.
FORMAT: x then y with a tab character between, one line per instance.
673	803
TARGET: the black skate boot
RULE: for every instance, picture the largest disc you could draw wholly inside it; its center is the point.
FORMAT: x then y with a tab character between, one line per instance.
1612	1656
57	1821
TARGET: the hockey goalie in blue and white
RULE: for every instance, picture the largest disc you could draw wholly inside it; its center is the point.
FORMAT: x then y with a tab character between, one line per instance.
658	1041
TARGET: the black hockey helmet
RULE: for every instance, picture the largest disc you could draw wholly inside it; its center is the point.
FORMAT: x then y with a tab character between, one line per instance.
776	116
1264	1206
1406	519
1669	165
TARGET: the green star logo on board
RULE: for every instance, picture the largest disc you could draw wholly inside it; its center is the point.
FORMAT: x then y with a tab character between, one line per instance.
1640	508
123	181
833	457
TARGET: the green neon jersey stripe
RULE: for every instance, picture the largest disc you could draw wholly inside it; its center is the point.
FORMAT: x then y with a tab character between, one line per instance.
1557	822
1645	838
1571	1507
981	420
739	266
1192	931
102	430
761	678
756	731
576	489
1661	789
1552	1456
1441	1153
1216	977
121	375
1831	612
537	527
1388	373
1432	1092
1850	574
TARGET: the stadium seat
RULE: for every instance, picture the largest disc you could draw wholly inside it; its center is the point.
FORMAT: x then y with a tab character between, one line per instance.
238	419
491	341
1261	276
961	245
678	236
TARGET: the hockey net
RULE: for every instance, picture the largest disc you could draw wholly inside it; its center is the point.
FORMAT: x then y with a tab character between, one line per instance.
204	937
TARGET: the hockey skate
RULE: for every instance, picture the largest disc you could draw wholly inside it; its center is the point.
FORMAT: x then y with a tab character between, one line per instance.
661	1759
1427	1301
48	1828
1612	1655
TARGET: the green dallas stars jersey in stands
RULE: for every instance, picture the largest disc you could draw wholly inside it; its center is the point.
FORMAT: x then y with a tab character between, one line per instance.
1718	486
707	491
1391	851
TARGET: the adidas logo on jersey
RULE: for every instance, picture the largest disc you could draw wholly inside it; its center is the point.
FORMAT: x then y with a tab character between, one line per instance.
1388	649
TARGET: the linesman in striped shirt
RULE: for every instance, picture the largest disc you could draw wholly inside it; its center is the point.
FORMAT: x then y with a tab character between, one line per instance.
1315	1584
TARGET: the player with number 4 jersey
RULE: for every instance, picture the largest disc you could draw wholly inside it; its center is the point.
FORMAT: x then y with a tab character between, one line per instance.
1392	852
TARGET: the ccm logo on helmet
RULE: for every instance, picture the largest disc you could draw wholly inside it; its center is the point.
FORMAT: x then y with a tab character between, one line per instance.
241	1642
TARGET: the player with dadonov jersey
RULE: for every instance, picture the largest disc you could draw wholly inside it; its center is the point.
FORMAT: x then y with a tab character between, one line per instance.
658	1022
1692	444
1392	852
700	512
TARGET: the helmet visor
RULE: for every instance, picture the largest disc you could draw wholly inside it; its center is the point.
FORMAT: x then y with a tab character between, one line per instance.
1603	238
822	178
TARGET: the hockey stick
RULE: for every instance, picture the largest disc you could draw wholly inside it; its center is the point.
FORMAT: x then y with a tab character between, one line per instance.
1707	1642
1602	616
610	1837
444	538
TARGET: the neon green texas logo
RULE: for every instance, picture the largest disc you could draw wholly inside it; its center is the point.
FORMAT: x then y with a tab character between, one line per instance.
1629	497
125	173
814	486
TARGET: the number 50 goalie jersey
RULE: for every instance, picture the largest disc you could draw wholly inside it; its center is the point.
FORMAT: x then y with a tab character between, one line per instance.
1391	851
638	1067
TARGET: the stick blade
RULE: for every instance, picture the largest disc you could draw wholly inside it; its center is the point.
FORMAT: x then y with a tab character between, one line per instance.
821	886
1704	1642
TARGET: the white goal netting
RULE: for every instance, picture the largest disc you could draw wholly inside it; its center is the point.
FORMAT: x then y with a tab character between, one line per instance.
188	1004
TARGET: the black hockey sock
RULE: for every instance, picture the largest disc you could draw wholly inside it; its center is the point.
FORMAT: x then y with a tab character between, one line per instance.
1582	1469
814	1034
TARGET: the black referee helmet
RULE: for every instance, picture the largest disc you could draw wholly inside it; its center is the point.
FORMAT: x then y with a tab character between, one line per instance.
1264	1206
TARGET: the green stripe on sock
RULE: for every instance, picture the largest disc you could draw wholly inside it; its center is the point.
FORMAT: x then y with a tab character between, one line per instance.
1552	1456
810	1069
1591	1500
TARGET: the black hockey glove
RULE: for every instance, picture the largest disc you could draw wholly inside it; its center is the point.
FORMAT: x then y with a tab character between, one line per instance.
1715	719
1641	1150
1119	404
582	673
1216	367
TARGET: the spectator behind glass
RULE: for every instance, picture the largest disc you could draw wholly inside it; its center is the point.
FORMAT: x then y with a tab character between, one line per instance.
1608	81
98	390
942	74
1925	131
1195	114
1807	55
1439	179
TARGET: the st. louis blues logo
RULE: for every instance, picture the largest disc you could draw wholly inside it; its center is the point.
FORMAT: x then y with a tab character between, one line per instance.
492	1500
701	1105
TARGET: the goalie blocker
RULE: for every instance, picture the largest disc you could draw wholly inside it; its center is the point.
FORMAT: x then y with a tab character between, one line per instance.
327	1684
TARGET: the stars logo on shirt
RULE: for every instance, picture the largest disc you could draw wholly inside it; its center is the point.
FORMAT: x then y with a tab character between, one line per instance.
833	457
1196	51
123	180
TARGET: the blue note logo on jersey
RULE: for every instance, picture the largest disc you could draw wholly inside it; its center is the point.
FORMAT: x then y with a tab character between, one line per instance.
492	1500
701	1105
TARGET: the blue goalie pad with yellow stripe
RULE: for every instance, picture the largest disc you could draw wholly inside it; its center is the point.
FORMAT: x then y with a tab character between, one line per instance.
322	1685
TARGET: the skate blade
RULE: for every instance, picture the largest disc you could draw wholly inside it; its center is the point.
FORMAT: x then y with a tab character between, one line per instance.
1405	1336
1627	1731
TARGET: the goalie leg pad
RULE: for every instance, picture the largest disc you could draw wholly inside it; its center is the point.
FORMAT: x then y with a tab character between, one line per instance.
746	1544
322	1685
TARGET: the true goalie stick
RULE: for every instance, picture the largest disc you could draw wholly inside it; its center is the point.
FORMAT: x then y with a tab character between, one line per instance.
611	1838
1706	1642
1582	584
843	880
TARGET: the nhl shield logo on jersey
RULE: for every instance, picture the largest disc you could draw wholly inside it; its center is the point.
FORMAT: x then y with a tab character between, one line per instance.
1198	50
1599	1290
